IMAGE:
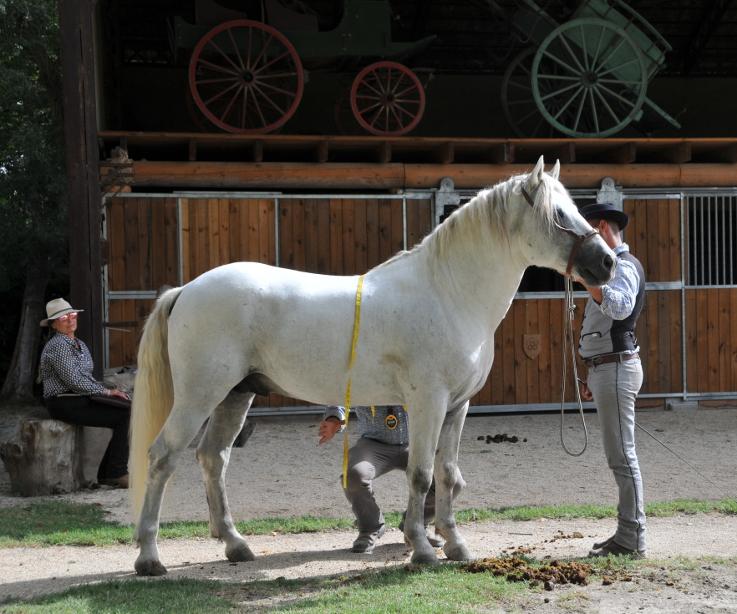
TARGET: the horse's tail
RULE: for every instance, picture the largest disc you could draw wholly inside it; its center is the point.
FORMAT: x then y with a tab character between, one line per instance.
153	395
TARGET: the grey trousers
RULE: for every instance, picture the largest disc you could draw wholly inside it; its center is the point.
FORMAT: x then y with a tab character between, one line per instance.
615	387
367	460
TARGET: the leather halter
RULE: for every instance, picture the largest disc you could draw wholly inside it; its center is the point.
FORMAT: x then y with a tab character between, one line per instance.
579	238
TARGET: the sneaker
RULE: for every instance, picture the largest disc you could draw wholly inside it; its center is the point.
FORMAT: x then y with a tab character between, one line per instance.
366	542
610	547
121	482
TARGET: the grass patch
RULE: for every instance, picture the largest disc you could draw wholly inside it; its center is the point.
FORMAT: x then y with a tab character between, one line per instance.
130	597
53	523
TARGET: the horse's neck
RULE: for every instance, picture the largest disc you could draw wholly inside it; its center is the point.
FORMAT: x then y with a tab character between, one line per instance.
480	277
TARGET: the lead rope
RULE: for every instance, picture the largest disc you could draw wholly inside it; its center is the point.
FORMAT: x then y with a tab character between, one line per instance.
351	360
569	309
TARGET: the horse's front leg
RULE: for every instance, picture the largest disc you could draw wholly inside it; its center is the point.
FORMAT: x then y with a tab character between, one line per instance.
425	419
179	429
213	454
448	483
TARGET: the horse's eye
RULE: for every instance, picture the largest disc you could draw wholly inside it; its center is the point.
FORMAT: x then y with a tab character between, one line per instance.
559	216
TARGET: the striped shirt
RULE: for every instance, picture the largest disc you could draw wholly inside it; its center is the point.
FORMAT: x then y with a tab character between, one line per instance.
620	293
373	425
66	366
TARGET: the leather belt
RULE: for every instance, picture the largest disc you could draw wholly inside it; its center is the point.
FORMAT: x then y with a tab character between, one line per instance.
595	361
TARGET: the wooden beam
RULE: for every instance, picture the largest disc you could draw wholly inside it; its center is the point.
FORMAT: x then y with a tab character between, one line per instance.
352	176
76	22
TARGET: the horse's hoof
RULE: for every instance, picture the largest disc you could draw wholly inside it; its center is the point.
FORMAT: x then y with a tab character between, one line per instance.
150	568
457	552
428	558
240	554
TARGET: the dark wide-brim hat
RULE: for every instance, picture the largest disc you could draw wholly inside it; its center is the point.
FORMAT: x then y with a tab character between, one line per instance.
604	211
57	308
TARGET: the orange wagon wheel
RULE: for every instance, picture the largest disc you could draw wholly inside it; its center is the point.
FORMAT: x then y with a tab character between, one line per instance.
246	77
387	99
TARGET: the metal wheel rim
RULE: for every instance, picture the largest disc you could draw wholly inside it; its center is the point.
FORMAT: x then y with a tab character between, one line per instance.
252	90
387	99
579	70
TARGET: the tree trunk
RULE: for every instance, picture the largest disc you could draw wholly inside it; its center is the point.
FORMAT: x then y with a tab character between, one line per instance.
18	385
46	458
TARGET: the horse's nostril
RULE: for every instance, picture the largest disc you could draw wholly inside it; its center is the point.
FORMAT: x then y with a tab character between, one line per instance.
608	261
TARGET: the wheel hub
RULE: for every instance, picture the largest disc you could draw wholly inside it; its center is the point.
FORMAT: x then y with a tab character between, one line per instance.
589	79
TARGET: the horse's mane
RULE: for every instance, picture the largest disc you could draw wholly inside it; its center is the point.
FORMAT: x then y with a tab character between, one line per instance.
487	213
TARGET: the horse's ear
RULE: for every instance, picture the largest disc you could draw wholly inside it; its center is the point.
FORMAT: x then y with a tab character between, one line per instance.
556	170
536	175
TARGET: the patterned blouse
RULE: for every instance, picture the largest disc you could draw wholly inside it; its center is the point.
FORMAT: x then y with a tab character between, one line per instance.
66	366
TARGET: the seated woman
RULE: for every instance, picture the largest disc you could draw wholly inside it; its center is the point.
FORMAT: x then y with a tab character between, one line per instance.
73	395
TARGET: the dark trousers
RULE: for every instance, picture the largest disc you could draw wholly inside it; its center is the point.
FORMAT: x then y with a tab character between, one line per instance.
83	411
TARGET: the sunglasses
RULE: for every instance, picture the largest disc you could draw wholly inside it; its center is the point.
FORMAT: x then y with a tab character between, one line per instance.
69	316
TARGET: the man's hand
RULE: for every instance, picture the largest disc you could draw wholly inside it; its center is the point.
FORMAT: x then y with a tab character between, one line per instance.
327	430
586	394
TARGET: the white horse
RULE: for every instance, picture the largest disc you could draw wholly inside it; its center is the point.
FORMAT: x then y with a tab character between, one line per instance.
427	322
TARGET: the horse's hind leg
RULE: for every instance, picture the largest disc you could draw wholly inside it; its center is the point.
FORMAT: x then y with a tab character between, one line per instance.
213	453
448	483
179	430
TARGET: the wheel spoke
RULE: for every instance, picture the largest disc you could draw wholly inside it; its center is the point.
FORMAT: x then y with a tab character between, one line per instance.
568	67
277	75
258	108
610	54
221	93
567	104
244	107
271	62
595	114
524	86
617	95
373	89
267	98
393	109
367	109
579	111
583	45
606	104
261	54
399	107
218	67
274	88
235	48
405	90
407	101
613	68
560	91
570	52
230	104
526	115
559	77
209	81
598	48
620	81
212	43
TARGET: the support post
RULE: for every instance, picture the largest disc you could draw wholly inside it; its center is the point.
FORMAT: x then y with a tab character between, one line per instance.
76	20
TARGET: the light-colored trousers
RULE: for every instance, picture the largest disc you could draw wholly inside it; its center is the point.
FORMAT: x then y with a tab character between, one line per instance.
615	386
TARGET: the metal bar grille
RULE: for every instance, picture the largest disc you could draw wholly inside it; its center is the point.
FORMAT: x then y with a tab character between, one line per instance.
712	221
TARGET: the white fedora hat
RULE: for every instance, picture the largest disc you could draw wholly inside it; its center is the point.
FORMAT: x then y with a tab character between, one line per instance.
57	308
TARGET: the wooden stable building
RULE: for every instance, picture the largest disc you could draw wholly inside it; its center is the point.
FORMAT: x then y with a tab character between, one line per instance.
685	236
159	208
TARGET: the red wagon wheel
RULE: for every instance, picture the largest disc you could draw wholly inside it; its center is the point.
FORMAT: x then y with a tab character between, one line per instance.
245	76
387	99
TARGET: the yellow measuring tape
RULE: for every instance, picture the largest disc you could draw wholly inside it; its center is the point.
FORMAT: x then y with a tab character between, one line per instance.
351	360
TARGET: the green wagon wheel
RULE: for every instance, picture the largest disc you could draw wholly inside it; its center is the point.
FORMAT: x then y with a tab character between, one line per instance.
589	78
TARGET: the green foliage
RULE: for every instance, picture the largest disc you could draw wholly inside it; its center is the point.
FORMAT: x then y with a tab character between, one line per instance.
31	136
32	172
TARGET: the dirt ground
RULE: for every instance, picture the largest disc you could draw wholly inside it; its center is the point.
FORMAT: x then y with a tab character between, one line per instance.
282	472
